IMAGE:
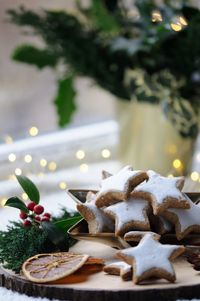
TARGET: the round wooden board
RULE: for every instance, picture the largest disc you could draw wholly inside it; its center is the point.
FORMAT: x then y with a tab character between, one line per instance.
102	287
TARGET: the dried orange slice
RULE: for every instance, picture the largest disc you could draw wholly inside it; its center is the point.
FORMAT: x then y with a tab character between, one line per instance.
94	260
44	268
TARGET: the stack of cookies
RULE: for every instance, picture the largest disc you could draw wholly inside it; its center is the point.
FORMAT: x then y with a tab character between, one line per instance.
140	201
140	206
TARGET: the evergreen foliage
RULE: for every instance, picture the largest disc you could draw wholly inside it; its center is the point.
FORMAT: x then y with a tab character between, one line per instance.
18	243
107	40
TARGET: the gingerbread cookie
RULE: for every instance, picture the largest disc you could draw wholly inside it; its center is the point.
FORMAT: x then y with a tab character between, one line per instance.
151	259
185	221
119	268
97	220
118	187
162	192
136	236
129	215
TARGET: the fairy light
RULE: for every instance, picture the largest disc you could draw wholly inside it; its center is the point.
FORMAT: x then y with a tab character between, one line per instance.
183	21
170	176
177	163
3	202
18	172
84	167
106	153
33	131
8	139
176	26
24	196
62	185
194	176
12	157
80	154
28	158
156	16
43	162
12	177
52	166
40	174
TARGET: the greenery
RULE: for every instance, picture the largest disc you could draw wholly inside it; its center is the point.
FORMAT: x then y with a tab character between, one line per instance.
124	52
17	244
20	242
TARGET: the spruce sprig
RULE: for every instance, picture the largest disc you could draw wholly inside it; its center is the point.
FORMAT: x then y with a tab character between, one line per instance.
17	244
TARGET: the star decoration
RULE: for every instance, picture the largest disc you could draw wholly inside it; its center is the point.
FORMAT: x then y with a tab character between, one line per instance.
129	215
97	220
162	192
115	188
185	221
151	259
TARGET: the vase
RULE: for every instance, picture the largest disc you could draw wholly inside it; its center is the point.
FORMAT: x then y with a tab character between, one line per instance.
148	140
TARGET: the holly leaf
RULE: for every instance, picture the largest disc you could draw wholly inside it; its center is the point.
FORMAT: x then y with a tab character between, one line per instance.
30	188
15	202
64	100
31	55
65	224
56	236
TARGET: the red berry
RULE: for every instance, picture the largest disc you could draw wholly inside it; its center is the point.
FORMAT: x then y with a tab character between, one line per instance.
27	223
38	209
47	215
45	219
31	205
38	218
23	215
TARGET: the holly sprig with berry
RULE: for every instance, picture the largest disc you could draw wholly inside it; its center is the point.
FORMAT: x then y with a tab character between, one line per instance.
31	213
36	232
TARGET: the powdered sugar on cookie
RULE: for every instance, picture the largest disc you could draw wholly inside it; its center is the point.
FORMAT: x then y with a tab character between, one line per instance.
97	220
117	187
119	268
129	215
186	221
162	192
119	265
151	259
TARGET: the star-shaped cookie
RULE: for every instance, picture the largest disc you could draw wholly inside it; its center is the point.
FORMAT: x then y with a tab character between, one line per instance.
129	215
185	221
162	192
97	220
117	187
119	268
151	259
136	236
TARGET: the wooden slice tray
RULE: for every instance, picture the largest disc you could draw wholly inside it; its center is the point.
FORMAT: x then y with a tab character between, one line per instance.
102	287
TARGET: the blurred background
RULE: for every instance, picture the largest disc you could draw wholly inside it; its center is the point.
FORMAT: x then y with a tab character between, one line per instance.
87	85
26	95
